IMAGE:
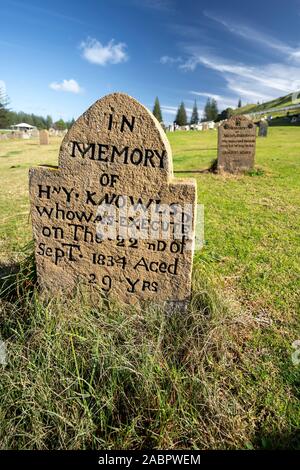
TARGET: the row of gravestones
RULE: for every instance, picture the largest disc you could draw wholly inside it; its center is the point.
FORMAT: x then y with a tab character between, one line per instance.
43	136
111	213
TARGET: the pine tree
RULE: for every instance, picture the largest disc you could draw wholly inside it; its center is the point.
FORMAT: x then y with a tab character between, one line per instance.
157	111
214	110
60	125
181	118
207	108
4	111
49	122
70	123
195	115
211	110
240	103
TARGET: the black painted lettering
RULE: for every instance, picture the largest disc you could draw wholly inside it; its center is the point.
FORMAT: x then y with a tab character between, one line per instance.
42	249
84	150
130	125
89	198
151	246
108	180
70	251
76	228
46	231
59	211
59	254
161	245
149	156
132	285
133	159
44	210
107	282
110	122
160	157
102	149
142	263
119	153
46	190
68	193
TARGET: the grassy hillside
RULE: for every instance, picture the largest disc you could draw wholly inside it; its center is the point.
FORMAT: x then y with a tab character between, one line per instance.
281	102
86	373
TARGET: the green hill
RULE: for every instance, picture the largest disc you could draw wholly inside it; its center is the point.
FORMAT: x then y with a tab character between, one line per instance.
281	102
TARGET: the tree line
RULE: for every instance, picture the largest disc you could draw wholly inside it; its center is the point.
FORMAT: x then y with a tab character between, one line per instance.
9	117
211	113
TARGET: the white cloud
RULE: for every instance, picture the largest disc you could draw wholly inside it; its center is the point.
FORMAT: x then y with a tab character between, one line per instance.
165	59
250	34
207	95
222	101
250	82
169	109
279	77
190	64
173	109
253	83
96	53
70	86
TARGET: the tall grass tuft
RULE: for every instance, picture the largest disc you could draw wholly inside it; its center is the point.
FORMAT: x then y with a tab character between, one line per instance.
85	373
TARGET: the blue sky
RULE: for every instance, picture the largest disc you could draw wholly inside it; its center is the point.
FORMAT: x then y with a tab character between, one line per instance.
58	57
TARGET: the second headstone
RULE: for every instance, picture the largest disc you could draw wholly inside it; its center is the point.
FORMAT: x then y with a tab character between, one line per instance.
236	145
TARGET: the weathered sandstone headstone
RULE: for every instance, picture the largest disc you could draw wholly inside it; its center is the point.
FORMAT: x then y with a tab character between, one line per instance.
236	144
111	214
44	137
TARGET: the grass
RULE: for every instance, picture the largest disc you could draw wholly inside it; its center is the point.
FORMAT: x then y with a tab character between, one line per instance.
84	373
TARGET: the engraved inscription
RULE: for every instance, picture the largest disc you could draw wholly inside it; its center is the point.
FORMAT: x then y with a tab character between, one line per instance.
111	215
236	145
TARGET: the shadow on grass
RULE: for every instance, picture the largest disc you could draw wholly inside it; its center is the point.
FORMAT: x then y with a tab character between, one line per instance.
213	168
18	278
278	441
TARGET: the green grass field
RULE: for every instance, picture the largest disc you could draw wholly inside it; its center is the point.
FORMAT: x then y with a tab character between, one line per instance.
84	375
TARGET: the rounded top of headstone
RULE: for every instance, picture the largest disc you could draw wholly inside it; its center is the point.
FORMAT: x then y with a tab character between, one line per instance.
120	134
238	121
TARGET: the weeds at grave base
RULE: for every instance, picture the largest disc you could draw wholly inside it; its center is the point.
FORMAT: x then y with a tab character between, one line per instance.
86	373
19	278
213	168
256	172
83	372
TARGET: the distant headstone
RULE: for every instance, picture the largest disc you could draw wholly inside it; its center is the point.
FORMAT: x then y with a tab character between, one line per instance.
35	133
263	128
44	137
25	135
111	214
236	145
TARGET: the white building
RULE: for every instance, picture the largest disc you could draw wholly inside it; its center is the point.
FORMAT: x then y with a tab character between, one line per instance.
22	127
